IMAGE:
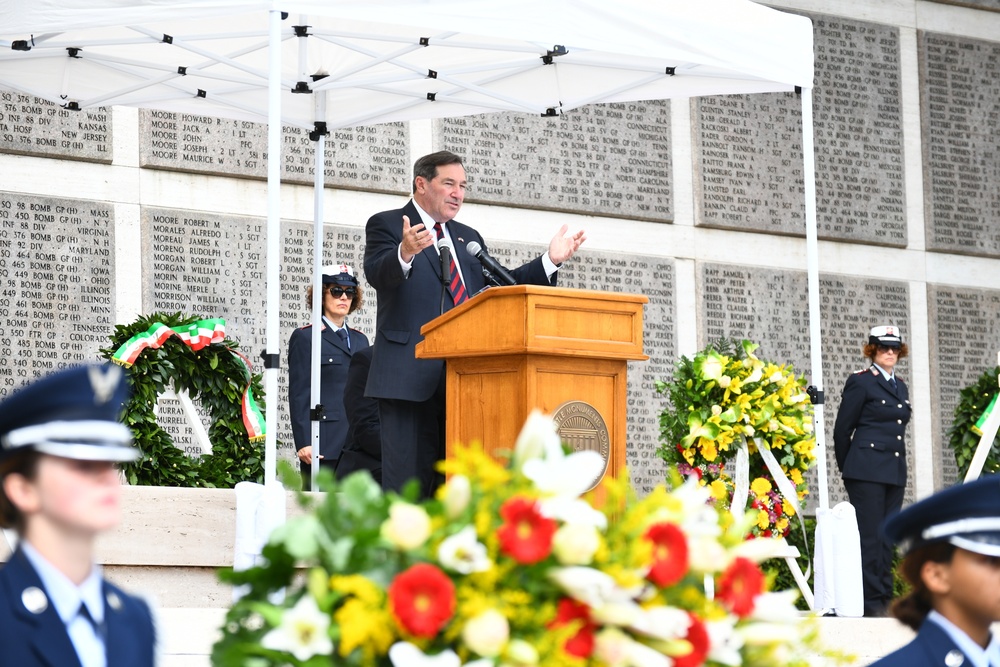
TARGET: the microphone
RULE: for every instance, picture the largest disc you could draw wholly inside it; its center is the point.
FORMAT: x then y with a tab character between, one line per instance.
496	268
444	247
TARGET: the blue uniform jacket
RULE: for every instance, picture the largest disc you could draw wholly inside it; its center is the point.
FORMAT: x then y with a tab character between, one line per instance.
869	434
38	637
335	358
932	647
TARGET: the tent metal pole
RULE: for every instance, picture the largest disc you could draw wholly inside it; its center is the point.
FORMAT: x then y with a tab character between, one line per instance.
812	270
273	240
315	396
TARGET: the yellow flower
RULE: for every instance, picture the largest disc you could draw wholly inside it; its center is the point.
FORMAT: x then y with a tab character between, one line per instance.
719	490
787	508
781	525
364	626
708	449
763	520
761	487
796	476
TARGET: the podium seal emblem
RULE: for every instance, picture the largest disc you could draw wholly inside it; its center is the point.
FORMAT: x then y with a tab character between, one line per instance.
582	427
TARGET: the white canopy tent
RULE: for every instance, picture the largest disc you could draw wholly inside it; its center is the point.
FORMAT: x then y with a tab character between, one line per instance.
395	60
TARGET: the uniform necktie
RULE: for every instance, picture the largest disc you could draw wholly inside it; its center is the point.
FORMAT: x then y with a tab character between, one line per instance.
455	285
342	332
892	381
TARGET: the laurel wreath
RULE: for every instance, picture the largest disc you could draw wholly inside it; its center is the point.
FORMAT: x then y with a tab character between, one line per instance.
963	436
216	377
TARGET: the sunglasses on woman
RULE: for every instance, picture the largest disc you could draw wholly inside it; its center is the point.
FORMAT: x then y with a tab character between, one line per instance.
337	291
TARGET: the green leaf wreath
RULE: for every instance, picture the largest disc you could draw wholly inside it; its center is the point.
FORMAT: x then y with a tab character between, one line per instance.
963	437
725	394
214	375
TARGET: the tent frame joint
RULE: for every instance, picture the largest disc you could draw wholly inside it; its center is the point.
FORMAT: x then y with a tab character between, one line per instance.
319	130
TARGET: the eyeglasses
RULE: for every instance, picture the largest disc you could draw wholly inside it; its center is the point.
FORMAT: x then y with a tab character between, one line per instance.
886	348
337	291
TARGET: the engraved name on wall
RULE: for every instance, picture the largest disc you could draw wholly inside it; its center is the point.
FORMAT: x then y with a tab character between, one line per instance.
748	149
57	271
960	115
375	157
604	159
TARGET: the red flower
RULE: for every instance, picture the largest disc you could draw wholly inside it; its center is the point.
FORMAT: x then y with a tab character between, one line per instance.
739	585
697	636
670	554
526	535
423	600
581	644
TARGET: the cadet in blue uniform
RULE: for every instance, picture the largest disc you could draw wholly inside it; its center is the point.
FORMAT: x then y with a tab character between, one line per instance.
952	546
342	295
869	442
59	488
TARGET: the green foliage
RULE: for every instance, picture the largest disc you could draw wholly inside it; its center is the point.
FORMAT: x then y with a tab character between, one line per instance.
212	376
961	438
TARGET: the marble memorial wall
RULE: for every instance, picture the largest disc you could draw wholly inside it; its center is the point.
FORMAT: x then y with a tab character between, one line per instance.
769	307
964	344
748	172
605	159
960	113
31	126
373	157
57	284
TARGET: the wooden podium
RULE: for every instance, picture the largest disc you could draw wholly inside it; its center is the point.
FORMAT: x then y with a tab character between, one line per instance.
512	349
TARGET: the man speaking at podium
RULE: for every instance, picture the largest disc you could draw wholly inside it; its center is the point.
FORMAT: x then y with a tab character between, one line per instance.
405	266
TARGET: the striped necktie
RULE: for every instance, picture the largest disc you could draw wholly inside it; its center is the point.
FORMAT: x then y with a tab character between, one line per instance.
455	285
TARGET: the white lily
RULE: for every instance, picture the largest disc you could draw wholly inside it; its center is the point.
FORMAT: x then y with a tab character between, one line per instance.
303	631
464	553
776	607
405	654
760	549
538	439
573	511
565	475
591	587
663	623
724	643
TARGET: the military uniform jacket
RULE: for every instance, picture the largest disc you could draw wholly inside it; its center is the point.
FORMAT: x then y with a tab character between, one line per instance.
869	434
932	647
335	357
37	637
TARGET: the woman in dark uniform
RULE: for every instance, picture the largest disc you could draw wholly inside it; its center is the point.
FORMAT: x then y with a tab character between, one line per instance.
869	443
952	563
341	296
60	440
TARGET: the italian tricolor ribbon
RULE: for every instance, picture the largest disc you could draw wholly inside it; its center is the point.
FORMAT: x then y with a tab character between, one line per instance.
197	335
977	428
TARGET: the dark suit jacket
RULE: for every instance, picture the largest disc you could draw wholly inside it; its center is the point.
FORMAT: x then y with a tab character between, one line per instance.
928	649
29	639
334	359
406	303
363	449
869	434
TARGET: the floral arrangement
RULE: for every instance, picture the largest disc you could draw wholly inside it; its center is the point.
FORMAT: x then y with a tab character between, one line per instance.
508	566
975	402
726	401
